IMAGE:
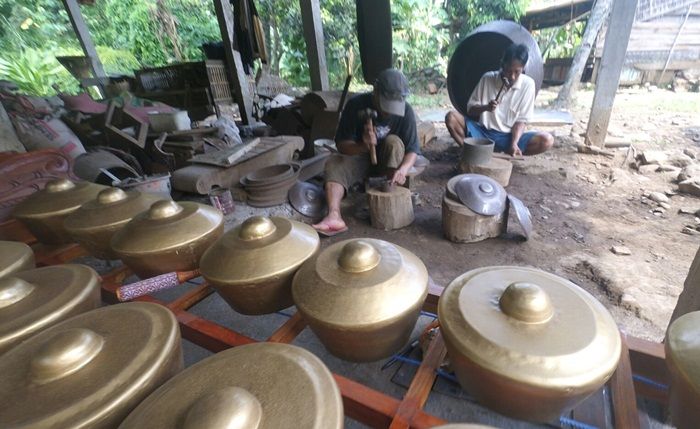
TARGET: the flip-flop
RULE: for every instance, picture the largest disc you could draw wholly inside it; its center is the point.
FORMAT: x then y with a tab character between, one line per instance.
329	233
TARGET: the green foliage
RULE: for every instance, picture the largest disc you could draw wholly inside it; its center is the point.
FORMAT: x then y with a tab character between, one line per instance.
419	40
34	73
466	15
560	42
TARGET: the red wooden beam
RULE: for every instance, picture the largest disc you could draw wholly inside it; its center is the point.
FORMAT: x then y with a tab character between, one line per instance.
622	392
289	331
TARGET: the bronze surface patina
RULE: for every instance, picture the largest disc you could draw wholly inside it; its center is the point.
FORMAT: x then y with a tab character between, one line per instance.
170	236
361	297
96	221
15	257
256	386
44	212
89	371
683	360
252	265
33	300
530	336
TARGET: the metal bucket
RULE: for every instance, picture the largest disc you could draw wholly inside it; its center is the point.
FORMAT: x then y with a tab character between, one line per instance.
476	151
221	199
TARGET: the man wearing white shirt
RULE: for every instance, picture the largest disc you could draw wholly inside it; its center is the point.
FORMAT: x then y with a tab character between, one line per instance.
500	107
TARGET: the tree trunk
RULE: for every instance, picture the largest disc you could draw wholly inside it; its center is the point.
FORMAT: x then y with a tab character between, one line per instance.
599	14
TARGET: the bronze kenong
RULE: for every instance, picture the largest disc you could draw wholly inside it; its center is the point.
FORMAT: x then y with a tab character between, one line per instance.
89	371
96	221
33	300
168	237
15	257
361	297
683	360
45	211
256	386
529	336
252	265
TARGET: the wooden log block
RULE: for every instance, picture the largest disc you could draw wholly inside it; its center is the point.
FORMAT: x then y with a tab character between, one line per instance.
426	132
390	210
497	169
461	225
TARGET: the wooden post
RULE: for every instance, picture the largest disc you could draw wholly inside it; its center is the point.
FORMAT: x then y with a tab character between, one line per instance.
616	39
390	210
313	35
237	78
83	35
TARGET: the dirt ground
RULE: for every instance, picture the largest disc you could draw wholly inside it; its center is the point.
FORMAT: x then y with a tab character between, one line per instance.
582	206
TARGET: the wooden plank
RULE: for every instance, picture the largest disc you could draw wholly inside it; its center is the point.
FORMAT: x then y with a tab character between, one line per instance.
13	230
192	297
289	331
622	392
421	385
622	16
234	66
315	52
648	360
83	35
56	255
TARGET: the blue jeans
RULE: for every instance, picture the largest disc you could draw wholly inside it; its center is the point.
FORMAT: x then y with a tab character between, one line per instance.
500	139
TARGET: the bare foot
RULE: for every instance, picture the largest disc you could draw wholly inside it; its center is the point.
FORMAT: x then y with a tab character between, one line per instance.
331	223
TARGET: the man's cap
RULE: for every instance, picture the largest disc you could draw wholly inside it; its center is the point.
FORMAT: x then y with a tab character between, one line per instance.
392	87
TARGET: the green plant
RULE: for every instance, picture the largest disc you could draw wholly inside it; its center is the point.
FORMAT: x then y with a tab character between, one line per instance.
419	41
35	73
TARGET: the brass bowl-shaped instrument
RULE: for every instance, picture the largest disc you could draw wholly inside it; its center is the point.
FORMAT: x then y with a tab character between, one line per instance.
89	371
252	265
529	336
168	237
44	212
683	360
33	300
15	257
361	297
96	221
256	386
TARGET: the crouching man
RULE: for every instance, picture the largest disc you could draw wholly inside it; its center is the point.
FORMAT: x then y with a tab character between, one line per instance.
379	120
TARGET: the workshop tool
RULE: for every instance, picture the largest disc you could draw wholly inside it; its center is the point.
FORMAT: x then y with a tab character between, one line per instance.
367	115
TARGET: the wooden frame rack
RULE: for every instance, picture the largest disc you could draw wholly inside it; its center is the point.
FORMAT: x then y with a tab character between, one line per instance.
641	371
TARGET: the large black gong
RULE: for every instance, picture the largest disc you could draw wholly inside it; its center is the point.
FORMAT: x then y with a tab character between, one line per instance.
374	36
481	51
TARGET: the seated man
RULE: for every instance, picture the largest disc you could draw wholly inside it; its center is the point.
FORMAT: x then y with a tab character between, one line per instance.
500	107
392	134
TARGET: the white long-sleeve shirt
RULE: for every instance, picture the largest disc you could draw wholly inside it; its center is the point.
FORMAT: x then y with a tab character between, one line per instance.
517	103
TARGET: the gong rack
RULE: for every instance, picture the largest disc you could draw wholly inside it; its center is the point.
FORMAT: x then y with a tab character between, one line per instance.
641	371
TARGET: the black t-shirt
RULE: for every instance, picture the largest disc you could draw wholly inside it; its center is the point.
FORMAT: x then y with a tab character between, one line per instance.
351	127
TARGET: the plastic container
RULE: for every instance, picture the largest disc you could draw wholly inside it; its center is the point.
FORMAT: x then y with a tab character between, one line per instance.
165	122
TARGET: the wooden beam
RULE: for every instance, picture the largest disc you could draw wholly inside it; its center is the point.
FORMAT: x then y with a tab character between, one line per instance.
313	35
81	31
618	34
234	66
622	392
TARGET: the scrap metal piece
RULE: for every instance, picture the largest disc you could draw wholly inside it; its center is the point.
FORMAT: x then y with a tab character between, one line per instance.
522	214
308	199
481	194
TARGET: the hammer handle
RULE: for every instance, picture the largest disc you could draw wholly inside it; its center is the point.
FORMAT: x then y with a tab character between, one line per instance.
372	148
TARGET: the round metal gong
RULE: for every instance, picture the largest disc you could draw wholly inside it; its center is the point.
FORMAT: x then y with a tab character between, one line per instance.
15	257
308	199
481	51
481	194
32	300
91	370
256	386
683	361
528	335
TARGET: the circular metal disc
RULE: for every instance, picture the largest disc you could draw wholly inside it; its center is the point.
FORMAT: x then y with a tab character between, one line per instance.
522	214
481	194
308	199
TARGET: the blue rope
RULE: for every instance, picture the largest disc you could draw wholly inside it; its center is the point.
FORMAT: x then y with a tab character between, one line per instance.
650	382
428	314
282	313
575	423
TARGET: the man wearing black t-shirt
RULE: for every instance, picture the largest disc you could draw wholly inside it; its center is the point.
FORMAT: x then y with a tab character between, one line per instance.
392	134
